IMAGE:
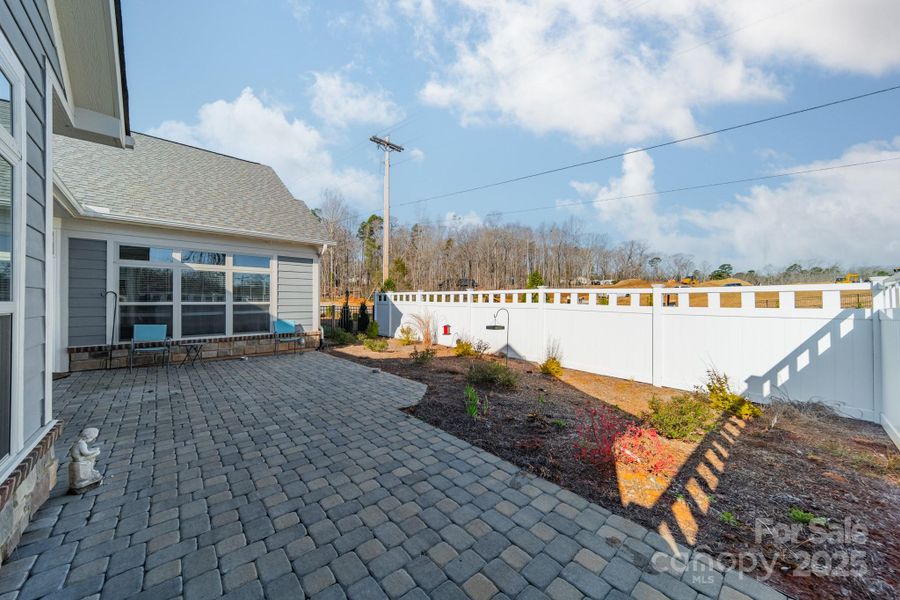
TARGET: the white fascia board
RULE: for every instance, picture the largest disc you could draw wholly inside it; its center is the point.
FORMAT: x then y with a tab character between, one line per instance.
83	123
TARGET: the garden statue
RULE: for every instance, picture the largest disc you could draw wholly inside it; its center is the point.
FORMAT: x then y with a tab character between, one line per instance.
82	474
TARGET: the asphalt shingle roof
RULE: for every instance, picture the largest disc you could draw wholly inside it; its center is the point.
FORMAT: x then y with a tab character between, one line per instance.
163	181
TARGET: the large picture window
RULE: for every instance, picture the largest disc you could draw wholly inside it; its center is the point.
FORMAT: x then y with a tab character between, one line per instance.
144	284
195	293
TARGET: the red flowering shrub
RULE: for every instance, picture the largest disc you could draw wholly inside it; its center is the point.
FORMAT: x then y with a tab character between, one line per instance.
604	437
643	446
597	430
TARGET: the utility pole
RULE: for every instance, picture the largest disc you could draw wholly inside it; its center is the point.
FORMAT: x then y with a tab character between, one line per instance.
388	147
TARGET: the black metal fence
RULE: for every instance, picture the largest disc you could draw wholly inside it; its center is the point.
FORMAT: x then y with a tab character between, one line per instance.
330	315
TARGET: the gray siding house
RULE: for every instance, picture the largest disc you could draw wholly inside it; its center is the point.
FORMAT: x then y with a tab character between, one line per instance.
214	247
61	71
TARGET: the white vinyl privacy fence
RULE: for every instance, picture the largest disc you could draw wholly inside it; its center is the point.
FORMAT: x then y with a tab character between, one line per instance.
803	342
887	389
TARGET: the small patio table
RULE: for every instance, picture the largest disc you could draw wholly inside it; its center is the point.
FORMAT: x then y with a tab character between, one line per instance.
192	353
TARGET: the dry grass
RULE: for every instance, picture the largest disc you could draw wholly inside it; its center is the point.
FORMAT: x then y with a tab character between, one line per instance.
423	323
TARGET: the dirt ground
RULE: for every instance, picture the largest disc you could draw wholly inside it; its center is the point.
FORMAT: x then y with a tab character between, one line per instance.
733	490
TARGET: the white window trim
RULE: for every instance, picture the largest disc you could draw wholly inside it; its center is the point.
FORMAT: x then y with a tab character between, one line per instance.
178	267
13	149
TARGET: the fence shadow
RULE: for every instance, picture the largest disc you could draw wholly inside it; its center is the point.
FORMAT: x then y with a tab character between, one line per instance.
816	364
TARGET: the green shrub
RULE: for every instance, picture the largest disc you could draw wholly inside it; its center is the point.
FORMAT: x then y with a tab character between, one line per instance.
371	330
559	423
376	345
362	319
551	367
723	399
686	417
423	357
341	337
408	335
491	373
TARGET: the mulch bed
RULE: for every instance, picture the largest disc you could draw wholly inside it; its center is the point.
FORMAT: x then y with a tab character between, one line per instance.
830	466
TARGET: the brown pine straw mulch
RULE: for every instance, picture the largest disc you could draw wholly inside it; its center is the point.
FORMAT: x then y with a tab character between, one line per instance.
754	471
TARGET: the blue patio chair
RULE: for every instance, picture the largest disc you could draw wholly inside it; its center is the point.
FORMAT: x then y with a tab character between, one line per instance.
287	327
148	334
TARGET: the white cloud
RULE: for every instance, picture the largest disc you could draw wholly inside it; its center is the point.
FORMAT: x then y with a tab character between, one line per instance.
249	128
341	102
611	71
857	37
300	9
416	155
847	216
454	220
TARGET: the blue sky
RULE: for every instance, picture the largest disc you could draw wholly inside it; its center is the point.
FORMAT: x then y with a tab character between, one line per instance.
484	91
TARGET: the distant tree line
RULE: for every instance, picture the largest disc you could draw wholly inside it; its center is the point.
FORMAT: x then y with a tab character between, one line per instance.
496	255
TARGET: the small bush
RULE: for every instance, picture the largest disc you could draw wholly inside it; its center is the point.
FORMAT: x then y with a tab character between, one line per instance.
423	357
341	337
371	330
722	398
642	446
467	347
553	364
559	423
597	430
362	319
480	347
377	345
551	367
604	437
491	373
686	417
463	347
408	336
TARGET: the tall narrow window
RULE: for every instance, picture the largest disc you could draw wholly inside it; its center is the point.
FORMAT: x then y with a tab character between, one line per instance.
202	303
14	362
6	230
251	302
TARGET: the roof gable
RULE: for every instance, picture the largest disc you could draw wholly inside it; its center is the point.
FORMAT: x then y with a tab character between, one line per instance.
164	182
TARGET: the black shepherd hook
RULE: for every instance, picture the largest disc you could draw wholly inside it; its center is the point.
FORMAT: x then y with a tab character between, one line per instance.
112	333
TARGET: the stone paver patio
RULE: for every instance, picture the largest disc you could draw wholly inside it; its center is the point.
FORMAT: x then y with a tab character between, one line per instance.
295	476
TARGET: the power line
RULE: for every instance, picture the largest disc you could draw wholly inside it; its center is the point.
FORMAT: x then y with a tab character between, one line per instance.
700	186
688	188
655	146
